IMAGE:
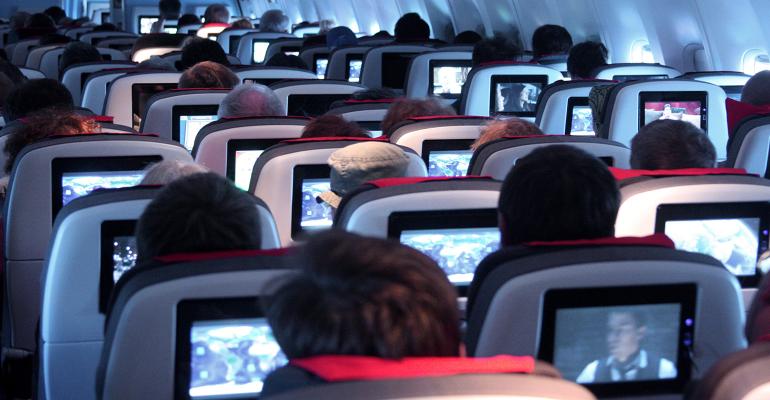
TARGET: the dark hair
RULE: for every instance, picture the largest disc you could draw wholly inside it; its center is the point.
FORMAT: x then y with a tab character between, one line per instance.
105	27
188	19
199	49
411	28
283	60
584	58
56	13
34	95
198	213
332	125
216	13
40	20
550	39
558	192
467	37
208	74
374	94
54	38
757	89
12	72
76	53
403	109
671	144
169	9
389	301
498	48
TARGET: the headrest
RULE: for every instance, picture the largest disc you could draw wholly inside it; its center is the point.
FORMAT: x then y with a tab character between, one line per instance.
348	368
447	117
501	63
737	111
264	117
337	139
219	255
378	101
388	182
621	174
102	118
215	24
657	240
528	136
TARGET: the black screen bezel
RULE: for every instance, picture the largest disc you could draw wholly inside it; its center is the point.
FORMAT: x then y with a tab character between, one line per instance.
234	145
684	294
389	63
178	111
235	40
679	96
139	22
60	166
108	231
494	80
571	103
136	89
433	64
292	109
300	173
441	219
429	146
348	59
639	77
696	211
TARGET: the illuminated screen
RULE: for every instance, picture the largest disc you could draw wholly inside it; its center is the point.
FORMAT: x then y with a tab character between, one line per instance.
315	215
259	50
140	94
244	163
582	121
320	67
688	111
447	77
190	125
170	29
291	53
213	36
625	78
354	70
516	95
145	23
123	255
456	251
449	163
78	184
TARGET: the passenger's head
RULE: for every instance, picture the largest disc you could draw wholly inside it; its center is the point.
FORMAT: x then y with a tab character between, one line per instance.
35	95
625	332
340	36
274	21
40	20
216	13
42	124
403	109
388	301
54	38
105	27
356	164
757	89
332	125
374	94
284	60
208	74
467	37
411	28
584	58
671	144
57	14
242	23
498	48
167	171
76	53
169	9
501	128
188	19
10	77
19	20
557	192
202	212
250	100
550	40
199	49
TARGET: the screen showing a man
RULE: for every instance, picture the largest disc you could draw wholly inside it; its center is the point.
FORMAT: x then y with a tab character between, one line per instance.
448	81
582	123
688	111
514	97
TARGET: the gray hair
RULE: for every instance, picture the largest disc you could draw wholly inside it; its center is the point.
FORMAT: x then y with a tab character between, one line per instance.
250	100
166	171
274	21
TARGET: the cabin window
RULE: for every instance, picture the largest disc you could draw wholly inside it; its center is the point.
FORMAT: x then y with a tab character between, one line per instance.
755	61
641	52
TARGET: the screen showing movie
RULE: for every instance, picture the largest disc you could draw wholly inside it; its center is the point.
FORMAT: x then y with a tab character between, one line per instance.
516	95
456	251
140	94
170	29
582	121
291	53
680	106
244	164
448	77
145	23
78	184
123	255
312	105
320	67
315	215
354	70
734	242
190	125
617	343
259	50
395	66
626	78
449	163
231	358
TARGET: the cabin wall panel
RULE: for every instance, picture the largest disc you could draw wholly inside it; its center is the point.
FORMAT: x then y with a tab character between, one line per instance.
621	26
671	31
500	17
732	28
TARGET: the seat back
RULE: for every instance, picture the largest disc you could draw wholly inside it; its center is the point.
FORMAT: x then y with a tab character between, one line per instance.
731	82
36	54
496	158
274	180
261	40
95	88
167	113
314	58
150	308
312	97
175	57
631	71
750	146
94	38
563	102
127	99
75	33
388	66
30	73
37	179
480	93
75	76
283	46
208	31
270	75
230	147
187	29
145	53
122	43
368	114
49	63
339	68
438	73
21	50
742	375
626	108
229	40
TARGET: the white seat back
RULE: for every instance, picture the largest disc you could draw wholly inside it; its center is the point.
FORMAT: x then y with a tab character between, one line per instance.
617	71
322	89
72	77
246	44
373	69
119	101
419	76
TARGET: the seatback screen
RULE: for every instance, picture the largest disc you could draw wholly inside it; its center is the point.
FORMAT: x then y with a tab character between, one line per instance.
516	95
690	107
580	118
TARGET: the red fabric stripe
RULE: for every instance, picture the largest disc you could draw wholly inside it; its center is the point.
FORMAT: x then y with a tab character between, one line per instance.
738	111
103	118
346	368
657	239
217	255
336	139
621	174
214	25
387	182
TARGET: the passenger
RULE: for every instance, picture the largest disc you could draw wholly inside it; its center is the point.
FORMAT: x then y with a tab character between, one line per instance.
19	20
250	100
35	95
77	53
340	36
356	164
216	14
757	89
10	77
496	49
167	171
332	125
208	74
40	21
274	21
411	28
374	94
389	301
57	14
105	27
550	42
202	212
283	60
671	144
188	19
501	128
403	109
467	37
242	23
584	58
169	11
198	50
54	38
